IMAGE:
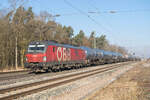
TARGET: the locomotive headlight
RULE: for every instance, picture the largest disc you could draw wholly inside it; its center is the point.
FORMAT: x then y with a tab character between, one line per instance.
44	58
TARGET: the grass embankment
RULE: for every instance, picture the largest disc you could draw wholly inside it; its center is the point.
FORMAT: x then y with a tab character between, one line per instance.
133	85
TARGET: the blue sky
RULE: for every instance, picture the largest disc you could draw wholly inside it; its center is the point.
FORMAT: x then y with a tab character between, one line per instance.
127	29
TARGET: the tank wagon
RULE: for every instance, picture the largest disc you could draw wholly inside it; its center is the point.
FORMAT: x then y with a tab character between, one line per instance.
52	56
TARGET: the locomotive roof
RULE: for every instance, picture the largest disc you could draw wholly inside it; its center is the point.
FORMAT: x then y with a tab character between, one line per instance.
53	43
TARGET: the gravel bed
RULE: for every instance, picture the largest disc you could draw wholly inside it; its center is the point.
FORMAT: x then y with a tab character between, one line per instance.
33	87
11	74
12	78
78	90
33	76
39	77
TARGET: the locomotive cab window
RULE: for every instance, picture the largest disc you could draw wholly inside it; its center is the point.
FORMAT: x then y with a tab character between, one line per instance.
36	48
40	48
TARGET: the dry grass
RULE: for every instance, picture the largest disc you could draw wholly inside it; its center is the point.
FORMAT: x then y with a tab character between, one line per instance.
119	91
127	87
10	69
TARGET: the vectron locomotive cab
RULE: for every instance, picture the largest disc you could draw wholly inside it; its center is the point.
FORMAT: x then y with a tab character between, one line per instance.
36	55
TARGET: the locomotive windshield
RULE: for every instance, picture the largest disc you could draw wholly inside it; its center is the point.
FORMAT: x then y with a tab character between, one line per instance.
36	48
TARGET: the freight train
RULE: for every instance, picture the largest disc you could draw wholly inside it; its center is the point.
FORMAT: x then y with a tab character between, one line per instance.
52	56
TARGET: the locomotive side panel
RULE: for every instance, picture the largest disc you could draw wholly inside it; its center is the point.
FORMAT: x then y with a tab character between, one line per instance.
50	53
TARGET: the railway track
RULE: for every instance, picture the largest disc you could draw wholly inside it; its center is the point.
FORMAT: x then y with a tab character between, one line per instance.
51	83
13	75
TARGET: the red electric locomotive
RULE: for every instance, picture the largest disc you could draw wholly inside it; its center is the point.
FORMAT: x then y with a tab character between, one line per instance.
49	55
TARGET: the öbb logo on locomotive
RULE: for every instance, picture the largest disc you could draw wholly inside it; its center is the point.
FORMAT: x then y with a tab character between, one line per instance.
63	54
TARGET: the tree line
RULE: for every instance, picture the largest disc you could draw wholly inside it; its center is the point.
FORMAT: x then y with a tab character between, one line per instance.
20	26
